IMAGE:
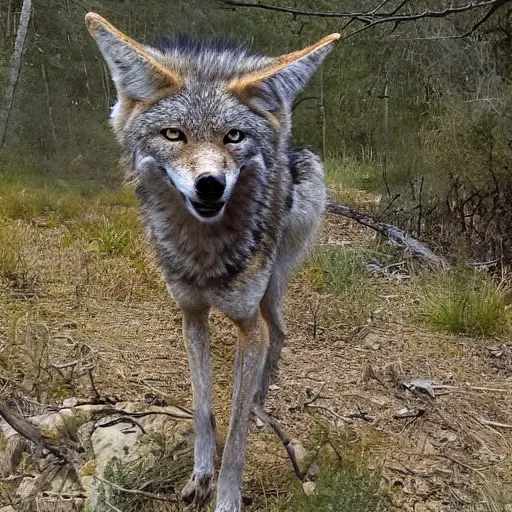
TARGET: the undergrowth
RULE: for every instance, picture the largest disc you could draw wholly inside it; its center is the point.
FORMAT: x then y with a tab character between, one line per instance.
465	302
345	483
164	475
342	274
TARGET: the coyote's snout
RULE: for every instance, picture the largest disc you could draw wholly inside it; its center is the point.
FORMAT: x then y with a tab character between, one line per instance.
230	205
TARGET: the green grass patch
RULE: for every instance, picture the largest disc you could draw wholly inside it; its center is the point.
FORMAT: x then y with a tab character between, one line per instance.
352	173
164	472
341	487
345	482
342	274
465	302
14	262
337	271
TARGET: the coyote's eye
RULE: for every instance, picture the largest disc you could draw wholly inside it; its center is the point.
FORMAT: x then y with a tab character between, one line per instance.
234	137
173	135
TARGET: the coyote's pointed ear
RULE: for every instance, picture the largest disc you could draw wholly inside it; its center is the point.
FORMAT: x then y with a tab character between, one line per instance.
136	71
285	77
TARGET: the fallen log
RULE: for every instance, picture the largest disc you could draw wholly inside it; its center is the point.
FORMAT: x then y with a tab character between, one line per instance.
396	236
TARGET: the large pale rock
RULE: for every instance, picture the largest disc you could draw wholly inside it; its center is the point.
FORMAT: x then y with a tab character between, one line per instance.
124	442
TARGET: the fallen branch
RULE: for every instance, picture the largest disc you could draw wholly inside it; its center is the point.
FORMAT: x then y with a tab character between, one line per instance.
396	235
150	495
330	411
62	453
491	423
276	427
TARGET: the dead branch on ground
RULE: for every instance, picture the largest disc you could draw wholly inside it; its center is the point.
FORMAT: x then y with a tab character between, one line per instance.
395	235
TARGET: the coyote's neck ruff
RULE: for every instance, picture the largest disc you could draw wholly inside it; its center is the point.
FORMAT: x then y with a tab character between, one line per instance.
229	205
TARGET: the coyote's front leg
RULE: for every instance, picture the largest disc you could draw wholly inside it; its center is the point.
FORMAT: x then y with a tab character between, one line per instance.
250	358
199	488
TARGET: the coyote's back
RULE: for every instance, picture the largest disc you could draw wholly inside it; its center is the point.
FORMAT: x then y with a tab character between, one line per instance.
230	205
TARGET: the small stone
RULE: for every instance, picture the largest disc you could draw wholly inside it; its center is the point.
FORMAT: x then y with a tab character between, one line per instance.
259	423
447	437
298	450
274	387
309	488
402	413
70	402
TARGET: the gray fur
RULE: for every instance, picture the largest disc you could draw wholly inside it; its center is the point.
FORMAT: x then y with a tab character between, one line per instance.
240	261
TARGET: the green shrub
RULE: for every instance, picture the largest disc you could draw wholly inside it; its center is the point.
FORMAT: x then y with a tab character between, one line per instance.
342	273
337	271
465	302
342	487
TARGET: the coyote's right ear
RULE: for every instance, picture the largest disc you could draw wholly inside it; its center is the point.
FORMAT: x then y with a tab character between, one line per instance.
136	71
284	78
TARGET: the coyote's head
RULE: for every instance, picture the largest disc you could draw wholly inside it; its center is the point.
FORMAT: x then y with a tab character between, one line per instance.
207	114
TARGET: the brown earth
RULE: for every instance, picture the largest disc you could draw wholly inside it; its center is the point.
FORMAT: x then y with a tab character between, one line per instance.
445	455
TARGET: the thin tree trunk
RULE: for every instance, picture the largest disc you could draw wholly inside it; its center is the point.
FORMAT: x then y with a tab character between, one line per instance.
14	68
322	115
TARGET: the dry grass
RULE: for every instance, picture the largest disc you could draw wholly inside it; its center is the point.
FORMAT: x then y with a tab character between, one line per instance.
97	282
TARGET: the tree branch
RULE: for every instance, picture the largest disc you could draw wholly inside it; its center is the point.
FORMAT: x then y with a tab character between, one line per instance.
395	235
376	16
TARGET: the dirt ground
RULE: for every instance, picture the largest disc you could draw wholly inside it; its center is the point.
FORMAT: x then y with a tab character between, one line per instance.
441	453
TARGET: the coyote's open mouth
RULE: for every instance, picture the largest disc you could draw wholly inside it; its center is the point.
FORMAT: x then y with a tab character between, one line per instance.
207	210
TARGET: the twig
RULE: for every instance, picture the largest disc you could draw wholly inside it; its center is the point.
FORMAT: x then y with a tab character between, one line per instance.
276	427
123	419
113	507
491	423
135	491
330	411
169	397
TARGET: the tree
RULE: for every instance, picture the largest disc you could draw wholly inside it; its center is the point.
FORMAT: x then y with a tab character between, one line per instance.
14	68
387	12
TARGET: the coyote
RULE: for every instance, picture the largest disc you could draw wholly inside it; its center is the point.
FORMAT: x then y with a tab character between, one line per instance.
229	204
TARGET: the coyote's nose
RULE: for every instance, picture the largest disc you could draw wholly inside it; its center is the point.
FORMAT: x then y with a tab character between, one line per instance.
210	187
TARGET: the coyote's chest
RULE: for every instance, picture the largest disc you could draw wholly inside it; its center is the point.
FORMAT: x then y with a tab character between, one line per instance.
200	254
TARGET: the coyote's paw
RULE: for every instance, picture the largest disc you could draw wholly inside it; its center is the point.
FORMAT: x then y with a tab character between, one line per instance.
198	490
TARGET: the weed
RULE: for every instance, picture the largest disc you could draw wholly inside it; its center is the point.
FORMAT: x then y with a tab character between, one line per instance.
352	173
164	474
337	271
118	197
465	302
345	483
14	262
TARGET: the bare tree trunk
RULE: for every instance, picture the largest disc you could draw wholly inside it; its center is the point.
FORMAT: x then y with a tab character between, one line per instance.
322	115
14	68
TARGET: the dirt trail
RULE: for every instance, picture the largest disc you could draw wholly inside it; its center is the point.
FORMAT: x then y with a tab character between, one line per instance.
439	456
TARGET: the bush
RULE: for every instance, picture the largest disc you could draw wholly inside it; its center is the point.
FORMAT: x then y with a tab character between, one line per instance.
343	487
465	302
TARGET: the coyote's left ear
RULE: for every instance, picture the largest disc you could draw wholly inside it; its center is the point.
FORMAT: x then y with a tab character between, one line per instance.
285	77
135	69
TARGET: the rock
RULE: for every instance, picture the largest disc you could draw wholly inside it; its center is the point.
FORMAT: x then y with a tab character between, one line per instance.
309	488
299	451
446	436
70	402
372	341
25	488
